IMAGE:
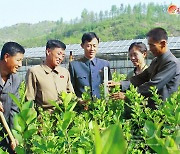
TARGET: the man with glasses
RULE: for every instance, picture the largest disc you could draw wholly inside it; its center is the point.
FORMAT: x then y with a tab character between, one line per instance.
163	72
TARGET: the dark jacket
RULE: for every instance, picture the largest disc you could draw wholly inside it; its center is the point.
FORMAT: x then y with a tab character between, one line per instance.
163	73
84	72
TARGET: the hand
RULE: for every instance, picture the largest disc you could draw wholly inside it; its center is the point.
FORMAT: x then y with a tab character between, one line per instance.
113	83
1	107
14	144
84	104
118	95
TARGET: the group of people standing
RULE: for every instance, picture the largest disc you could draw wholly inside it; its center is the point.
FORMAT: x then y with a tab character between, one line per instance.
46	81
163	72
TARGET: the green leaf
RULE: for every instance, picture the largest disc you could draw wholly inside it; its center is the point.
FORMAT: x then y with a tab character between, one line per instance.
51	144
67	118
74	131
91	124
66	98
81	151
29	115
16	124
17	136
27	105
61	133
158	131
41	146
28	133
63	95
155	143
177	116
177	137
172	151
73	106
171	145
15	100
85	141
19	123
113	140
32	126
149	128
56	105
3	152
97	139
20	150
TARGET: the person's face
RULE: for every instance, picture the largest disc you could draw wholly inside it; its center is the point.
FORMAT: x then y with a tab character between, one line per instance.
90	48
55	56
157	48
13	63
137	57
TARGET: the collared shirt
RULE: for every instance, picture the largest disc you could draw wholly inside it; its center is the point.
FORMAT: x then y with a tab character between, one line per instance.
133	73
163	73
88	73
44	84
10	86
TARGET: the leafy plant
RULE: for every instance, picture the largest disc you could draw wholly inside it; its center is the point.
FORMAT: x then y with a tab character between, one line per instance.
106	126
110	141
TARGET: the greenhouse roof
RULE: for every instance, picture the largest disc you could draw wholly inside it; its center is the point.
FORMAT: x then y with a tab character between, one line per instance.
111	47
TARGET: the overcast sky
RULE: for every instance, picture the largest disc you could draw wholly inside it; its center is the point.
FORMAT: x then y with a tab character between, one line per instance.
33	11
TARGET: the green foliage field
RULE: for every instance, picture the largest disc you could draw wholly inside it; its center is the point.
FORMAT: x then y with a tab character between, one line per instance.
102	126
118	23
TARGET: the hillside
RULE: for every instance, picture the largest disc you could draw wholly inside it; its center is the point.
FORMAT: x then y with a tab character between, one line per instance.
24	31
123	22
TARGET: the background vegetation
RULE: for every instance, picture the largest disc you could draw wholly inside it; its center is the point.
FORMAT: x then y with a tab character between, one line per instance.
120	22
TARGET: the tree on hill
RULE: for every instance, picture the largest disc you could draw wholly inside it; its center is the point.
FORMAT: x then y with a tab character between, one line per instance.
118	23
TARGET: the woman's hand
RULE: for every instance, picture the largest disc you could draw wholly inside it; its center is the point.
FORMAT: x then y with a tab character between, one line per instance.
118	95
113	83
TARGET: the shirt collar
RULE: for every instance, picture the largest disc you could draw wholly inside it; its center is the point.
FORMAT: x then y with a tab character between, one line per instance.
166	54
87	61
1	83
49	70
57	69
8	82
94	61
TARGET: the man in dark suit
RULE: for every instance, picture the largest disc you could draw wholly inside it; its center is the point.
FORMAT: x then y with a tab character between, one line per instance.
163	72
11	59
89	70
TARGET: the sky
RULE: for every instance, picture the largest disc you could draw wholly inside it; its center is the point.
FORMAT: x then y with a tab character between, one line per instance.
34	11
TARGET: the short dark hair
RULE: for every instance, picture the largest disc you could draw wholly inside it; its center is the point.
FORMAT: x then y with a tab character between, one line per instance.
51	44
141	46
11	48
89	36
158	34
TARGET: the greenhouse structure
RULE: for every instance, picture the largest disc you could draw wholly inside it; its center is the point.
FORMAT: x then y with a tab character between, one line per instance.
116	52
